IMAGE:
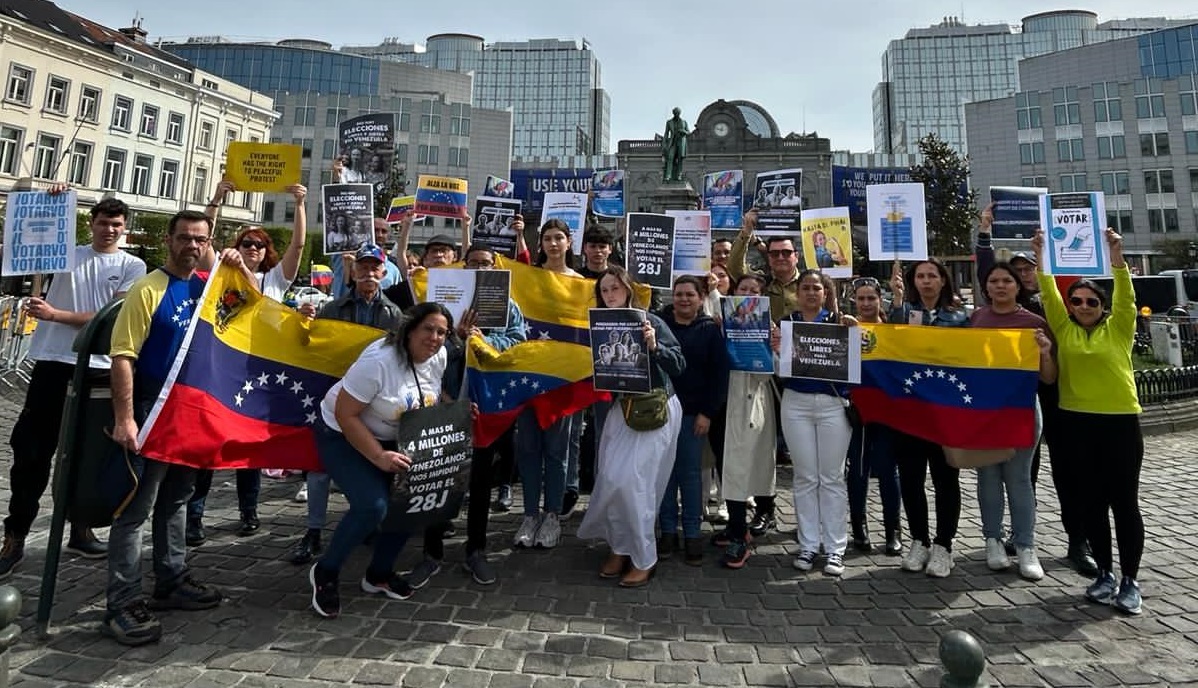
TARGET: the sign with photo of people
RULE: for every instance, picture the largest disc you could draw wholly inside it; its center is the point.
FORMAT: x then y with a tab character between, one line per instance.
348	216
366	146
777	200
620	358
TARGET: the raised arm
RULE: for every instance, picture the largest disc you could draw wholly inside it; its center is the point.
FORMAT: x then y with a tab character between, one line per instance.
737	264
299	234
1123	296
212	211
983	252
1050	297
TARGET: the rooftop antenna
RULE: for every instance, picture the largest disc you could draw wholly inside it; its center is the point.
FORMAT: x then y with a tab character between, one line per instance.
137	20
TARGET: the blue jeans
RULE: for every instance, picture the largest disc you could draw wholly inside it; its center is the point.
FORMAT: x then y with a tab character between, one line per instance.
576	423
542	457
249	484
318	498
368	491
871	454
1013	477
687	478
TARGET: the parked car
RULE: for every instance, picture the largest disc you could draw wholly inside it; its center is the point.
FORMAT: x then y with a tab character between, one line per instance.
311	295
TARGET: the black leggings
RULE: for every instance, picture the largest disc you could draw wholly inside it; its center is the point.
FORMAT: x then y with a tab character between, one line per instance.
483	464
915	457
1112	449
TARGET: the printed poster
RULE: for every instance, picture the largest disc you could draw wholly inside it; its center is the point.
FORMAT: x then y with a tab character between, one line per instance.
497	187
747	322
493	220
1016	211
898	226
692	242
1075	235
441	196
367	149
777	202
828	241
570	208
485	292
650	249
821	351
437	439
39	232
348	217
722	197
399	206
620	359
607	187
263	167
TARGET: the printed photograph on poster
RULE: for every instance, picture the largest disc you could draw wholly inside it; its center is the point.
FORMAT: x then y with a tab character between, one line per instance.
367	149
437	439
898	226
39	232
777	200
747	323
828	241
263	167
722	197
820	351
1016	211
440	196
607	199
1074	234
620	359
498	187
486	292
493	220
348	216
692	242
650	249
570	208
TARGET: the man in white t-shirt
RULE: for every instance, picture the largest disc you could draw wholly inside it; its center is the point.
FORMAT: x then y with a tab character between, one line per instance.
102	272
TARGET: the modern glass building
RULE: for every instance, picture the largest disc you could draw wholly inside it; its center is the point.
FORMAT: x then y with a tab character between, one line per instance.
554	87
930	73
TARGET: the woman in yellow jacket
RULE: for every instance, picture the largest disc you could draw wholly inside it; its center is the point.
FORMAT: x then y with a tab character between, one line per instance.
1100	416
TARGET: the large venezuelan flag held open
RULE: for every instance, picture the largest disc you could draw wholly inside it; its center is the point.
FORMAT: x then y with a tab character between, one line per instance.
971	388
246	387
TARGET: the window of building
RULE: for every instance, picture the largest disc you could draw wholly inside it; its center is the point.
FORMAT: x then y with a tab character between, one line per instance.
1111	147
207	134
1158	181
1163	220
45	155
289	212
305	117
1194	179
20	84
58	90
1073	183
167	178
149	121
405	121
1120	221
1188	93
268	211
1154	144
1191	141
1065	108
430	124
80	164
1107	106
427	155
89	103
1027	110
305	146
122	109
401	154
142	167
334	116
459	125
114	170
1038	182
459	157
174	128
10	147
199	185
330	150
230	136
1115	183
1031	153
1070	149
1150	101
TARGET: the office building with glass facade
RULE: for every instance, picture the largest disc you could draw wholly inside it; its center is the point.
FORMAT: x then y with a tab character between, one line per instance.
1119	117
930	73
554	87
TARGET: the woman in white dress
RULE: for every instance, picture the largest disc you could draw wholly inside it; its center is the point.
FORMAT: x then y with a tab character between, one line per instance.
633	467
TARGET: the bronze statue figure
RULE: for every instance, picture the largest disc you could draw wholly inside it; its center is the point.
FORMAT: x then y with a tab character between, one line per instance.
673	147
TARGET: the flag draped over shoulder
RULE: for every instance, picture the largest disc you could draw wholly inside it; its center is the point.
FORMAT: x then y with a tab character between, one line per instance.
246	386
971	388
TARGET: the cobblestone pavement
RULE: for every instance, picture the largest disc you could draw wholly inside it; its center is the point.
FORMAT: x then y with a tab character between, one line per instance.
551	622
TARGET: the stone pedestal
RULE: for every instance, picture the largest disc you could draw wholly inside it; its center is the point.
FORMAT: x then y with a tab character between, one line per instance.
674	196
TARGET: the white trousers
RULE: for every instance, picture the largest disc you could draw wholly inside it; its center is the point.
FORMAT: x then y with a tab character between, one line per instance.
818	434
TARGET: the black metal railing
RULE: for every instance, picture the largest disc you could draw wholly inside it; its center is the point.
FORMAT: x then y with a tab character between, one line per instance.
1164	385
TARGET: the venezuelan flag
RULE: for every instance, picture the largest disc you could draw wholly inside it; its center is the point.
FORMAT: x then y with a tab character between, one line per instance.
440	196
322	275
971	388
246	386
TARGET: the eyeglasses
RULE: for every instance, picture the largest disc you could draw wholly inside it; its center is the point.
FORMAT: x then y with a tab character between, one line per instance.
191	239
479	264
781	253
250	243
1090	301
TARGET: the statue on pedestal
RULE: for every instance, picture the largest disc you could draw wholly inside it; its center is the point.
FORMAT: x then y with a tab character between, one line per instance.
673	147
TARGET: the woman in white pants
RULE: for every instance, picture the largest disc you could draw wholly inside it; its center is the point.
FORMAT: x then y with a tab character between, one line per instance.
818	432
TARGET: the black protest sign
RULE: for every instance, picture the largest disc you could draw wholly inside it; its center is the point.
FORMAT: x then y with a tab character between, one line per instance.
651	249
620	359
431	490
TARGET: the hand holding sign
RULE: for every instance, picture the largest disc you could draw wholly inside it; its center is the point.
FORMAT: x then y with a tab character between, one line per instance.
391	462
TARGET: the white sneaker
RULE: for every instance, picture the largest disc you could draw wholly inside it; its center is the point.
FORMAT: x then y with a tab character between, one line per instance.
527	531
917	557
834	565
940	562
996	555
549	533
805	561
721	514
1029	564
302	495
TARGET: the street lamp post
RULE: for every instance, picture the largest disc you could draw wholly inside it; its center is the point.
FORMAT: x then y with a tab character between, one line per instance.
1192	249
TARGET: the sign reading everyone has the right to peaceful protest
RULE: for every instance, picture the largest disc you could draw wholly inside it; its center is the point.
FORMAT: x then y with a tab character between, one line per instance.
263	167
39	233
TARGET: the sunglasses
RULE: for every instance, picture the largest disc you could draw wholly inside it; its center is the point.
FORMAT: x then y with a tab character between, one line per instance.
1090	301
781	253
250	243
864	282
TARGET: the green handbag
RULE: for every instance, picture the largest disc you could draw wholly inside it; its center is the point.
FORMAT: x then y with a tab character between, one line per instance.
645	412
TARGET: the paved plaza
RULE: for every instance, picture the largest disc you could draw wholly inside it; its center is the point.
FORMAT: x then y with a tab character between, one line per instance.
550	622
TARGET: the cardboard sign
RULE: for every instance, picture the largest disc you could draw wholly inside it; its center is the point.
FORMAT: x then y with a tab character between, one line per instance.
263	167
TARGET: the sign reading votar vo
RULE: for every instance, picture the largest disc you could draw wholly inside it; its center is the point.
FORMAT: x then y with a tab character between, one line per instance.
39	233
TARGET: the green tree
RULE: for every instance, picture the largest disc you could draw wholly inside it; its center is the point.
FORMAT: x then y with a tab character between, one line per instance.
1175	254
147	237
951	205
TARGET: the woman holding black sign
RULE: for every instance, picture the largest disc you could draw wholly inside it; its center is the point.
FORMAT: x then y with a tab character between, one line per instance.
355	436
633	465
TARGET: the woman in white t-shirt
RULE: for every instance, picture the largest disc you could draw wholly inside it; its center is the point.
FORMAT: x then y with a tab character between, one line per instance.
356	441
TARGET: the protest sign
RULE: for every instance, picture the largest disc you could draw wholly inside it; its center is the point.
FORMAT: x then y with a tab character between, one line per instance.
440	196
1016	211
437	441
263	167
1074	238
570	208
620	358
348	217
747	322
650	245
777	202
723	198
493	220
497	187
607	189
485	292
399	206
820	351
828	241
367	149
39	233
692	242
898	227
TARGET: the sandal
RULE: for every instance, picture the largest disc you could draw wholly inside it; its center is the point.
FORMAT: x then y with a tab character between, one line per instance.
615	566
637	578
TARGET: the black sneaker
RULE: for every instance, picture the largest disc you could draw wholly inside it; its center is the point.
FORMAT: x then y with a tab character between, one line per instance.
389	584
188	595
1081	560
569	501
326	600
133	625
195	533
667	545
762	523
894	542
307	548
11	554
503	503
694	551
249	523
83	542
479	568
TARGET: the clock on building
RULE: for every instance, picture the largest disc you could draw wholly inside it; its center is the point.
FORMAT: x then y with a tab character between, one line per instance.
720	129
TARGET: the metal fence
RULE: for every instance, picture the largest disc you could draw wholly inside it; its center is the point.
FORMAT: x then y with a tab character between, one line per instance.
1167	384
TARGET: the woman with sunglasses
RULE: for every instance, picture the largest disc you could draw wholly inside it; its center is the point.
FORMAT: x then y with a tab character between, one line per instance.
1100	416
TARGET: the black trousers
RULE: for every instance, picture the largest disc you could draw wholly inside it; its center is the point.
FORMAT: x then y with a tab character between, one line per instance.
1111	448
1067	476
915	458
482	467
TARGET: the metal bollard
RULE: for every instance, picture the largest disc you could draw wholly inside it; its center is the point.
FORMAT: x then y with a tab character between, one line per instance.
10	630
964	661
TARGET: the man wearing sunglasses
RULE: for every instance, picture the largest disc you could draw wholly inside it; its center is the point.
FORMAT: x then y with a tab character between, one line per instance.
782	278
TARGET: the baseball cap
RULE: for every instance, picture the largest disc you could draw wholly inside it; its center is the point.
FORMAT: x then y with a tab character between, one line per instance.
370	251
1022	255
441	240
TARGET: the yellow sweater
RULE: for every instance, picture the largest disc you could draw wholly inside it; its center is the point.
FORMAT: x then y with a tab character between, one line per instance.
1095	367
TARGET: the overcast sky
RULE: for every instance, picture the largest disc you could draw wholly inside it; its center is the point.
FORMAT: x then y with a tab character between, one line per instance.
812	65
